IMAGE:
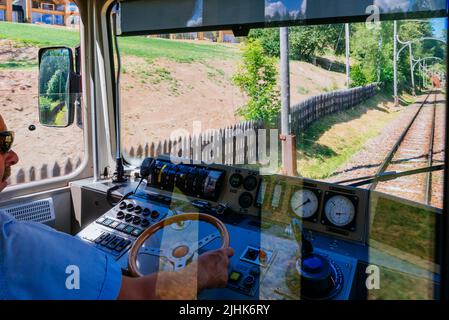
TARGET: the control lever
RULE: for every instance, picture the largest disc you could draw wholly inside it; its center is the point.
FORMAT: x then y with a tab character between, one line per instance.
146	167
300	235
221	208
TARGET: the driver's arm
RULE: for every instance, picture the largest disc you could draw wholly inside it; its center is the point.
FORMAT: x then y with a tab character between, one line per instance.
210	271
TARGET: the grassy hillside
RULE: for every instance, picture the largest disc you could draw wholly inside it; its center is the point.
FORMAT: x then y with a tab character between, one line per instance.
139	46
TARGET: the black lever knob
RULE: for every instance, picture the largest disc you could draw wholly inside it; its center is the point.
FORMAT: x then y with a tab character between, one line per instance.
146	167
300	235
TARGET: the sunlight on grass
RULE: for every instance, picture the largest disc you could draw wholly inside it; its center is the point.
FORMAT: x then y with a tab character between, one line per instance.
333	140
139	46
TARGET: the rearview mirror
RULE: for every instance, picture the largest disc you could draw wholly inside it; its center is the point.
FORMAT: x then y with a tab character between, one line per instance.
55	96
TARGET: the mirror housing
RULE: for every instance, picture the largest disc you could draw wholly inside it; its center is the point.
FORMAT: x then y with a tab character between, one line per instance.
57	87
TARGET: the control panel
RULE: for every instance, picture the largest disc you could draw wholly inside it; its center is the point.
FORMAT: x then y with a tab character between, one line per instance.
266	217
117	229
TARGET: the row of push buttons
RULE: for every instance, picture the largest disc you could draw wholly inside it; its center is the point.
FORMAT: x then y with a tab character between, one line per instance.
138	210
136	220
112	243
120	226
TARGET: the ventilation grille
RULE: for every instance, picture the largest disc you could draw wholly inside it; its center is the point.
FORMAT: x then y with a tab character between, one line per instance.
38	211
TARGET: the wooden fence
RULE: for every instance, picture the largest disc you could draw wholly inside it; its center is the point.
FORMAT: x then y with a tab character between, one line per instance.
235	144
314	108
45	171
238	144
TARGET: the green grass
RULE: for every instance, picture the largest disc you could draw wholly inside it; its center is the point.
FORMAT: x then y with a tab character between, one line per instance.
17	65
139	46
153	48
331	142
40	36
302	90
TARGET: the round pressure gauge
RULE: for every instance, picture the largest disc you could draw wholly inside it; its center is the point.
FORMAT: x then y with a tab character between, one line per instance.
339	210
304	203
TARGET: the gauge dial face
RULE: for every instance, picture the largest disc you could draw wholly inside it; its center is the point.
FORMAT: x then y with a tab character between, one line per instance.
339	210
304	203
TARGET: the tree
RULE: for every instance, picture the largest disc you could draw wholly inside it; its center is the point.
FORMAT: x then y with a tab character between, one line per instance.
305	41
367	53
257	78
56	86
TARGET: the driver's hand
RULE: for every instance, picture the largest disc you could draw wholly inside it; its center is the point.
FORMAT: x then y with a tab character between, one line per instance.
213	268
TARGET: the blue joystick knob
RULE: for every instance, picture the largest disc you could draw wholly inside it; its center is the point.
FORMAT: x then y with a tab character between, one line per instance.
312	264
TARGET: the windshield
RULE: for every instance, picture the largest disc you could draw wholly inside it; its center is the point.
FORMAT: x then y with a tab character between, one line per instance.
179	86
328	104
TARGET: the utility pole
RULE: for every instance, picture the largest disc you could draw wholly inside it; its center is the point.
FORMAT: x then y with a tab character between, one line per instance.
288	141
395	64
411	69
425	73
348	68
379	55
421	84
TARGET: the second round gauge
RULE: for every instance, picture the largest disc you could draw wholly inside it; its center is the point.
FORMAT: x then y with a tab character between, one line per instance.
304	203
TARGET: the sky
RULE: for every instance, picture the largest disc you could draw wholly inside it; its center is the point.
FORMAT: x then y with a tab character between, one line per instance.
440	27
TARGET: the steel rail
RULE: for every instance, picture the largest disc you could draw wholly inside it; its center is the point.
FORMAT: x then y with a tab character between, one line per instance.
392	152
428	184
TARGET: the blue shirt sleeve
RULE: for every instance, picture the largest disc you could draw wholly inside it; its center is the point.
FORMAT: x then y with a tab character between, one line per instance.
38	262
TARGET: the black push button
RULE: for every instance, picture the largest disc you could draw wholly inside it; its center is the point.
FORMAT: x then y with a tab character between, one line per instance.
145	223
122	245
120	215
101	237
122	205
136	220
251	254
130	207
106	240
249	282
146	212
154	214
129	217
255	272
138	209
112	244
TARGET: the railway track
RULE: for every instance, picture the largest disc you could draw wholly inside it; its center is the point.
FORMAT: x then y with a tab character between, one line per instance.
414	150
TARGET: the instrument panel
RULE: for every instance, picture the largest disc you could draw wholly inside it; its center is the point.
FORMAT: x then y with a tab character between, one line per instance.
338	211
325	208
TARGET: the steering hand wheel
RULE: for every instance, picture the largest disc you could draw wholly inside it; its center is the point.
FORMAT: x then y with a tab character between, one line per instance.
179	255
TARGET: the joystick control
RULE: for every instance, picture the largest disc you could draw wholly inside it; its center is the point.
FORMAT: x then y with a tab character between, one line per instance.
319	277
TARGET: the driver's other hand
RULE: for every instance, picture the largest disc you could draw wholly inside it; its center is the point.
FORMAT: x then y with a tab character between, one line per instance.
213	268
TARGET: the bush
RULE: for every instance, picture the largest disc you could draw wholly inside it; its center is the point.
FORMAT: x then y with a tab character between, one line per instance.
257	78
56	86
358	77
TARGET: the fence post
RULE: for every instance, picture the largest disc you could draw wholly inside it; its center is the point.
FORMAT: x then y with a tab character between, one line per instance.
68	167
20	176
32	174
56	171
139	152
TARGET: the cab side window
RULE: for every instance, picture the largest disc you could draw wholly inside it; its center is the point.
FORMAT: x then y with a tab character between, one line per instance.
44	152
